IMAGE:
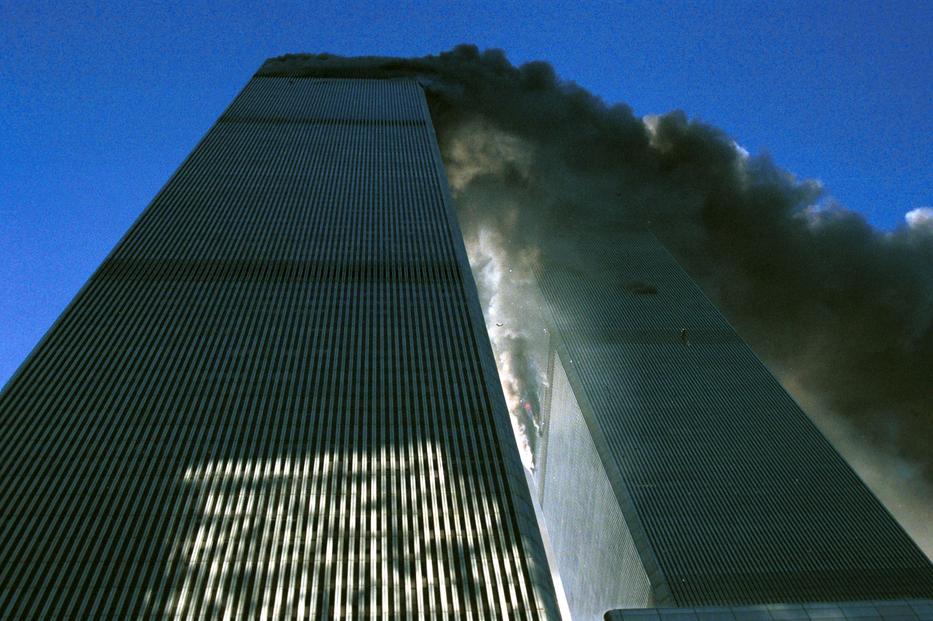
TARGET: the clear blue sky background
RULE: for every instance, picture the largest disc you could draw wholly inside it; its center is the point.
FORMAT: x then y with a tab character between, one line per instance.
99	104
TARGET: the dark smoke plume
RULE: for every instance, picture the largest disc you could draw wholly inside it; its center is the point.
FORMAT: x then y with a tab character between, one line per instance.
842	313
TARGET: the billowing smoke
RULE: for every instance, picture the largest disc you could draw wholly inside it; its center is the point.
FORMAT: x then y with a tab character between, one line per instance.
504	270
506	294
841	312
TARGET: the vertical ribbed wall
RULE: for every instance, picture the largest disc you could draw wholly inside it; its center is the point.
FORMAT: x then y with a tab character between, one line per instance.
742	500
276	395
881	610
593	547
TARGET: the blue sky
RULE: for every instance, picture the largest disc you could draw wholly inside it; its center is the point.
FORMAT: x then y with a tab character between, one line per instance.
99	104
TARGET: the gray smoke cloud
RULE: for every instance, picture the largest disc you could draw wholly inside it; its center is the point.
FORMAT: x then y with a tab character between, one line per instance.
841	312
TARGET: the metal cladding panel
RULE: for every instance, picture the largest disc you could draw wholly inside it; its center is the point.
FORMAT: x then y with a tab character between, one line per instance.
740	497
276	396
595	553
884	610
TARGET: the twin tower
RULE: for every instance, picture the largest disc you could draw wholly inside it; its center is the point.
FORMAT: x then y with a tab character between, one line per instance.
276	398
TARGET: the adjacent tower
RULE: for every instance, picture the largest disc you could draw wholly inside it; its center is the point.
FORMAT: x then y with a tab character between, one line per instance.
706	485
276	396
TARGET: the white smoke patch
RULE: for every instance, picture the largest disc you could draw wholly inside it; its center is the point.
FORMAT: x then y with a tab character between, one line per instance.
822	211
477	149
920	218
513	314
651	122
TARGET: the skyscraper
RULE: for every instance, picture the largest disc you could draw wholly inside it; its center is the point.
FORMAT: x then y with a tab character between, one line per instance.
276	396
706	484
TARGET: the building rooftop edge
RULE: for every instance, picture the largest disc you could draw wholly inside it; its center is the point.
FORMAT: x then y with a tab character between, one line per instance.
333	66
909	609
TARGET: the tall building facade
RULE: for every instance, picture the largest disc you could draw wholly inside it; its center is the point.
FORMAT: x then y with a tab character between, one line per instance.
276	399
707	486
276	396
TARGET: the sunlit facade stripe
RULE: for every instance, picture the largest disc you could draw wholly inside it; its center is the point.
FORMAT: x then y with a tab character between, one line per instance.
275	398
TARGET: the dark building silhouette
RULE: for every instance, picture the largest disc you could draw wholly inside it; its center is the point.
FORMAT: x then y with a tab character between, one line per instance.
276	396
